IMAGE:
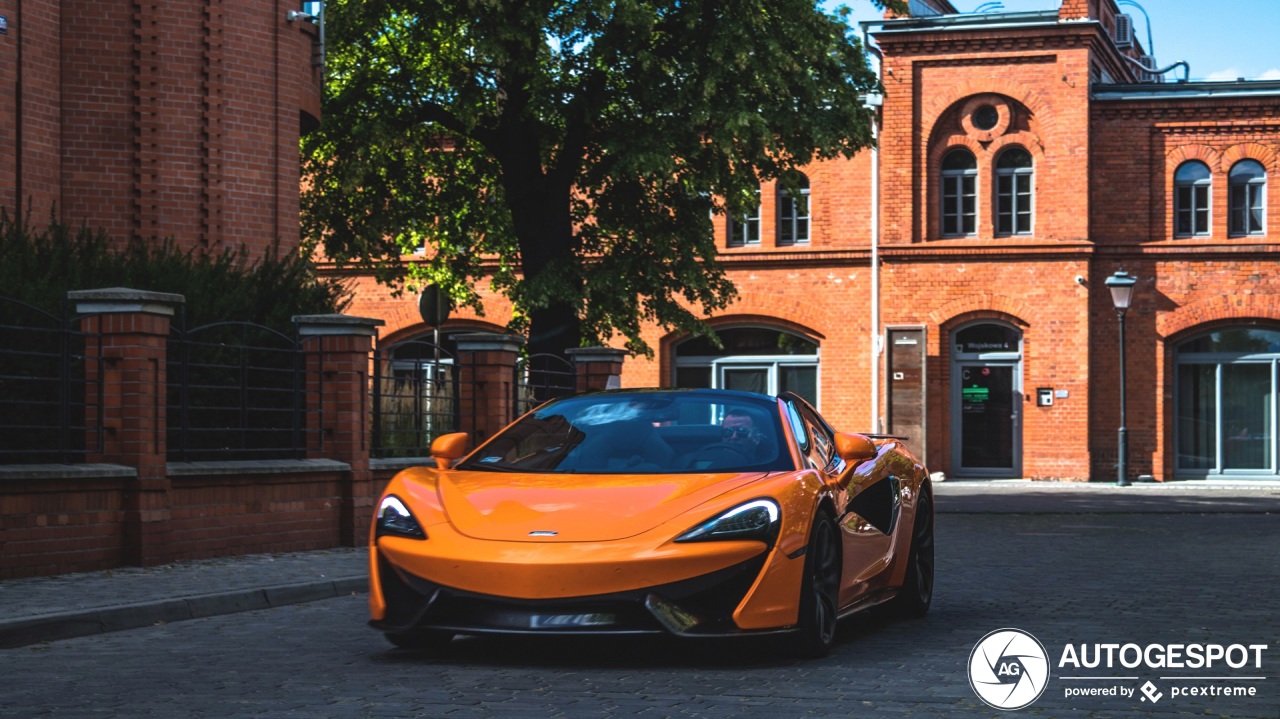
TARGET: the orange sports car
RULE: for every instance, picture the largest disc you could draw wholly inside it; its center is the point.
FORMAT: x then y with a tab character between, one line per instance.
689	512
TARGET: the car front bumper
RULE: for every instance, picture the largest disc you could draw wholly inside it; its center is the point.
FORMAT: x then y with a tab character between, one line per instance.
701	606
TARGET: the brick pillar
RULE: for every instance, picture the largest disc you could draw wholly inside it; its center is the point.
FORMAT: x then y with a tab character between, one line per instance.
134	330
337	381
487	389
598	367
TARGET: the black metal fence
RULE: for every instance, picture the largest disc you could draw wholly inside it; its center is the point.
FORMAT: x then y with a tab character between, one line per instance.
415	397
543	377
236	390
50	387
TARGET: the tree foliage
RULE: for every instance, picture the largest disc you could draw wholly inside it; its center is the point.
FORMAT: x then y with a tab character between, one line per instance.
572	152
41	264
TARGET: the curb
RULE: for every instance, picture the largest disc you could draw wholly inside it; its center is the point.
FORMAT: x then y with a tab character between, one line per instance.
99	620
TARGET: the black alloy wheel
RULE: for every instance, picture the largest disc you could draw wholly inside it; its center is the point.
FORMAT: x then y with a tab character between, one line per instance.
913	600
819	594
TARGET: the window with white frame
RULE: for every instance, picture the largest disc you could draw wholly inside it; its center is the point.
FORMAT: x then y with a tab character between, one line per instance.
793	211
1191	196
1015	177
753	359
1226	403
1246	193
745	229
959	193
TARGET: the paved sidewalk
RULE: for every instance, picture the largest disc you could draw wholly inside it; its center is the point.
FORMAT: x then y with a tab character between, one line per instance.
1020	496
44	609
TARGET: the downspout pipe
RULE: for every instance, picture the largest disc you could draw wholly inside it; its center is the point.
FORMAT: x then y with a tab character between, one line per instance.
875	102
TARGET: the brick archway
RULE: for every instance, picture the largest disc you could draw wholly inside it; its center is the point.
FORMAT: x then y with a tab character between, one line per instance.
419	329
1216	310
986	305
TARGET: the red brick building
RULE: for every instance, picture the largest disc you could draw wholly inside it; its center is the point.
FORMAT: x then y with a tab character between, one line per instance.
158	119
951	285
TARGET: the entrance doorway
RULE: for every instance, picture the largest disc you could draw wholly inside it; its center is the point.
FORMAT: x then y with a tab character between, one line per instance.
1225	404
986	401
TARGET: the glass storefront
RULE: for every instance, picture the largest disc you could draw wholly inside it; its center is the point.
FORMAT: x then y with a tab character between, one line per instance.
1225	403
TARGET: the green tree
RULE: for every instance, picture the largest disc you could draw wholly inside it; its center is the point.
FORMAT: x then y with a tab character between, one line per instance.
572	151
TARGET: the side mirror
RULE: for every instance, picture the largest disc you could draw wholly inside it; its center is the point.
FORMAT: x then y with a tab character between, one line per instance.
447	448
853	447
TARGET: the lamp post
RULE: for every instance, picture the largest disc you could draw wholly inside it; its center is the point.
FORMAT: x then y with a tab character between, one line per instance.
1121	285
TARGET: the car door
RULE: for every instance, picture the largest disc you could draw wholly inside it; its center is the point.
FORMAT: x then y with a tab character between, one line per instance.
866	505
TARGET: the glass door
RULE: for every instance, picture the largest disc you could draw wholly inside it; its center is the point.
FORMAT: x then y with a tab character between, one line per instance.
986	401
988	417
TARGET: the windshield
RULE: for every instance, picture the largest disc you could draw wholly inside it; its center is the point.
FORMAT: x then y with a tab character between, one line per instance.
642	433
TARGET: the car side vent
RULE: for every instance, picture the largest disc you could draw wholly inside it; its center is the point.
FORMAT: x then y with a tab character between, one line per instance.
1124	31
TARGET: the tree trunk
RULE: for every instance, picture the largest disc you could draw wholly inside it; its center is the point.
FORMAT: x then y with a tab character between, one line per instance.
544	231
553	329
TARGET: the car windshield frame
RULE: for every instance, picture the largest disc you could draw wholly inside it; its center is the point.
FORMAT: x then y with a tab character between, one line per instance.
669	431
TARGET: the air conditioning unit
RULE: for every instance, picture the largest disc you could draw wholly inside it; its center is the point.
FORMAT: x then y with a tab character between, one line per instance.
1124	31
1149	62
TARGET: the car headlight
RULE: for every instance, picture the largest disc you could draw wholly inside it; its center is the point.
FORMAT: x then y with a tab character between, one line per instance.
395	519
757	519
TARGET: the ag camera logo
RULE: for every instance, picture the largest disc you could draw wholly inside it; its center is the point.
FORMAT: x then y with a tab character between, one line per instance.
1008	669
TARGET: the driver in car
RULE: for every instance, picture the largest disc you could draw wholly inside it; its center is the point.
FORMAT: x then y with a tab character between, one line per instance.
739	430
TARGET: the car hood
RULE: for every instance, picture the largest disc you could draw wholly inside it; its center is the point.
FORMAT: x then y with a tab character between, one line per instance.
574	507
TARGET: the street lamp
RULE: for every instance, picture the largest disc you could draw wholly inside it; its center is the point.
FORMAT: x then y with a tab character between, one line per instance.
1121	285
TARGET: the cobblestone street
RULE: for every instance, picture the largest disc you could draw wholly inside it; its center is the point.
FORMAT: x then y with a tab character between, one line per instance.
1065	578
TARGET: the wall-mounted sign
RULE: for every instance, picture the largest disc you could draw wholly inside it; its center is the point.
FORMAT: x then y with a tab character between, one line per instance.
4	25
986	338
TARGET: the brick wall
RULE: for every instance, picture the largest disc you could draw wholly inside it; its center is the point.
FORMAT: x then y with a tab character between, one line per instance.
223	515
75	519
158	119
52	524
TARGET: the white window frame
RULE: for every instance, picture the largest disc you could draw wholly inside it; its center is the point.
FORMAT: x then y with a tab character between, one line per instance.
744	231
800	225
1246	190
772	363
1196	209
1219	360
1014	175
952	184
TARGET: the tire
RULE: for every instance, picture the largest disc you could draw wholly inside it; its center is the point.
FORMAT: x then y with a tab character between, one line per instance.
916	595
421	640
820	591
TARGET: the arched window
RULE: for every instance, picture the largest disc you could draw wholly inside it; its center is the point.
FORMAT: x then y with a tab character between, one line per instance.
1225	402
1247	190
1014	180
793	212
755	359
959	194
1191	185
745	229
